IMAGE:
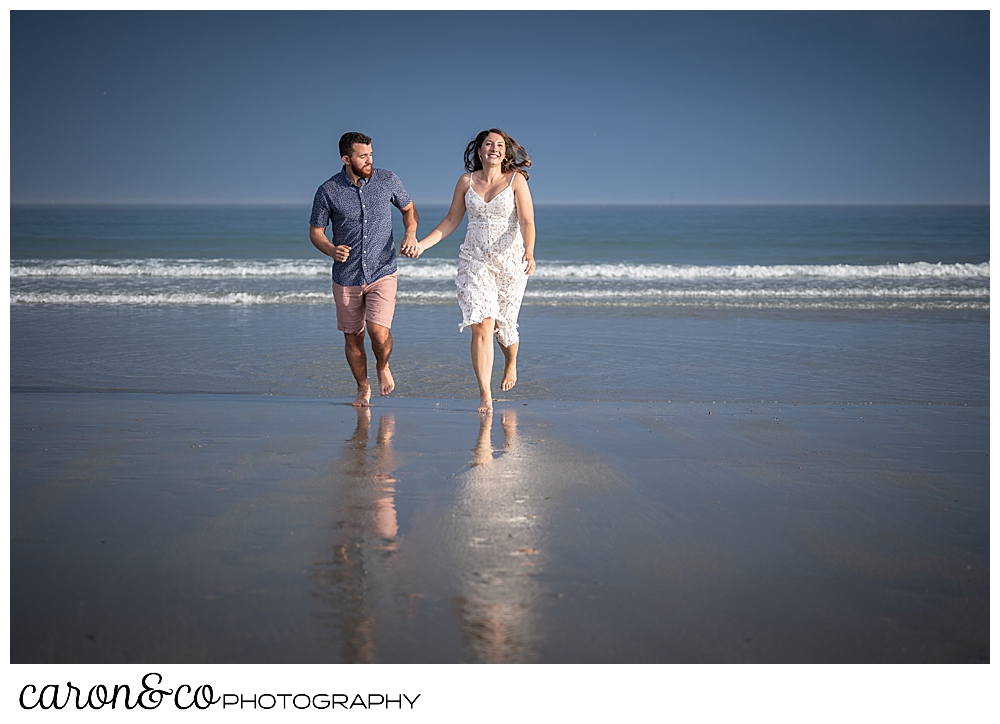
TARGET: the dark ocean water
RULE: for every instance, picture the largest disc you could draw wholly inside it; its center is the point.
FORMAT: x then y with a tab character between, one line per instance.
837	304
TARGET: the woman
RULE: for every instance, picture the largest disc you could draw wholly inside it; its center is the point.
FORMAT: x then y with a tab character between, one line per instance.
498	253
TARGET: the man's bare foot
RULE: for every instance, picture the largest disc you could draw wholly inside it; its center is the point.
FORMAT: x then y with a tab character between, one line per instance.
385	382
485	406
509	376
364	394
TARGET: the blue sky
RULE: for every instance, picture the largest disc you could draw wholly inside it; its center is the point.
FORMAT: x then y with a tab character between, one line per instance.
744	107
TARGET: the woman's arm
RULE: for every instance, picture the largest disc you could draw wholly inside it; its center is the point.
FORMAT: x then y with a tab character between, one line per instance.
451	221
526	219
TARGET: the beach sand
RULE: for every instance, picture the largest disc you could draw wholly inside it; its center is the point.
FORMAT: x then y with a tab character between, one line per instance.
197	528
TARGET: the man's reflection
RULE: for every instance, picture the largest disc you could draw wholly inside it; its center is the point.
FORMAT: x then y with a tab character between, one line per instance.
367	531
489	552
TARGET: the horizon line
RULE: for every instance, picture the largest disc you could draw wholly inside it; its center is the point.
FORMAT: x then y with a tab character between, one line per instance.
52	202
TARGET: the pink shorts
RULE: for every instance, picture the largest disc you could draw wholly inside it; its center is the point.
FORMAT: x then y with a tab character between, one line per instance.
374	303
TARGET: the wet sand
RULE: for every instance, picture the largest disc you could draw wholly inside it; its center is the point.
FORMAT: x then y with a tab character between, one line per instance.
232	528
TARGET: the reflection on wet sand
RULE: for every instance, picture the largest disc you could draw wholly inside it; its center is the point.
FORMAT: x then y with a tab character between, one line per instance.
499	530
351	578
488	547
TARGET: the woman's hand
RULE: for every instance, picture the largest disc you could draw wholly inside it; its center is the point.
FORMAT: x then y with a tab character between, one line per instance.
529	263
408	246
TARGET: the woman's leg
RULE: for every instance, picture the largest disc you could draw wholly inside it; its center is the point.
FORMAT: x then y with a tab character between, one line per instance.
482	362
509	366
511	291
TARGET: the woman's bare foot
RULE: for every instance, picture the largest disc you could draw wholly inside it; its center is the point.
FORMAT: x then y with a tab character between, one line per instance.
364	394
509	376
485	406
385	382
509	366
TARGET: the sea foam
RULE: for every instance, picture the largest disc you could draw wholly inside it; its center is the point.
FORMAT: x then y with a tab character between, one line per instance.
437	269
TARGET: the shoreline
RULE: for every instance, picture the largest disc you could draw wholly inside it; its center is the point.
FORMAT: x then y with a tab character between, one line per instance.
253	528
565	354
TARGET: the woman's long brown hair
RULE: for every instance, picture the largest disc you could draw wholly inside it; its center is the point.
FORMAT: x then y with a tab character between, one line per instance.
516	158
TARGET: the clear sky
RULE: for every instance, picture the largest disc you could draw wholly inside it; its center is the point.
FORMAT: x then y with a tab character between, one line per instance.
745	107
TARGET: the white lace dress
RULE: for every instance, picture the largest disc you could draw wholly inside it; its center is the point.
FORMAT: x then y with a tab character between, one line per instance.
491	276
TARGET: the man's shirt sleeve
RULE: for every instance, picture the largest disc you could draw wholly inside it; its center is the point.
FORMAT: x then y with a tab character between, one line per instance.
400	199
321	210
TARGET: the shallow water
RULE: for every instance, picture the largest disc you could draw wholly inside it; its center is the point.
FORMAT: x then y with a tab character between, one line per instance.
744	434
809	304
566	354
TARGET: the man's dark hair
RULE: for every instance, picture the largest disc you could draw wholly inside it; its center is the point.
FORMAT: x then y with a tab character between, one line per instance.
348	140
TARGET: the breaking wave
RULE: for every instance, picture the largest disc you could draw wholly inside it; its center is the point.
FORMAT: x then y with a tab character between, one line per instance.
437	269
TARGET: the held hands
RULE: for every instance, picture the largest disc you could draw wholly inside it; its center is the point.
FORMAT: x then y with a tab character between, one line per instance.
411	248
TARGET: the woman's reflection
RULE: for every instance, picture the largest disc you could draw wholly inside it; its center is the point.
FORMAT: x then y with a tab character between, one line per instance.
483	453
499	542
351	578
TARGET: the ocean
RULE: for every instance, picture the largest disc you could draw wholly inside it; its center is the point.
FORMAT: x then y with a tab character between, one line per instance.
738	434
672	303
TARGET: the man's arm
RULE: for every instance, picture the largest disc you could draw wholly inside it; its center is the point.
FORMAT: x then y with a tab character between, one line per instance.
410	220
318	238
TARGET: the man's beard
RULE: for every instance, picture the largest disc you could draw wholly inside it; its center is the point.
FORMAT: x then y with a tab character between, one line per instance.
361	171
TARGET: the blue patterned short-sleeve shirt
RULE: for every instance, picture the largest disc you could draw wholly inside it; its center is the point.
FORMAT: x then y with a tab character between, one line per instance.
361	217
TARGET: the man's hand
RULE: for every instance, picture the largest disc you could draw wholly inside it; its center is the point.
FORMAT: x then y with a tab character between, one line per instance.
340	253
409	247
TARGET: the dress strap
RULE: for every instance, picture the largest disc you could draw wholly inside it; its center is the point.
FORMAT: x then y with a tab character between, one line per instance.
512	178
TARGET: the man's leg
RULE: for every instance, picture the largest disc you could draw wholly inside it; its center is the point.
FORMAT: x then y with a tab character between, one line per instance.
354	347
382	347
351	321
380	304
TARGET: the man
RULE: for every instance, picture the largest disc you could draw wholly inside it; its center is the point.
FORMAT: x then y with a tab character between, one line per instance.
356	203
